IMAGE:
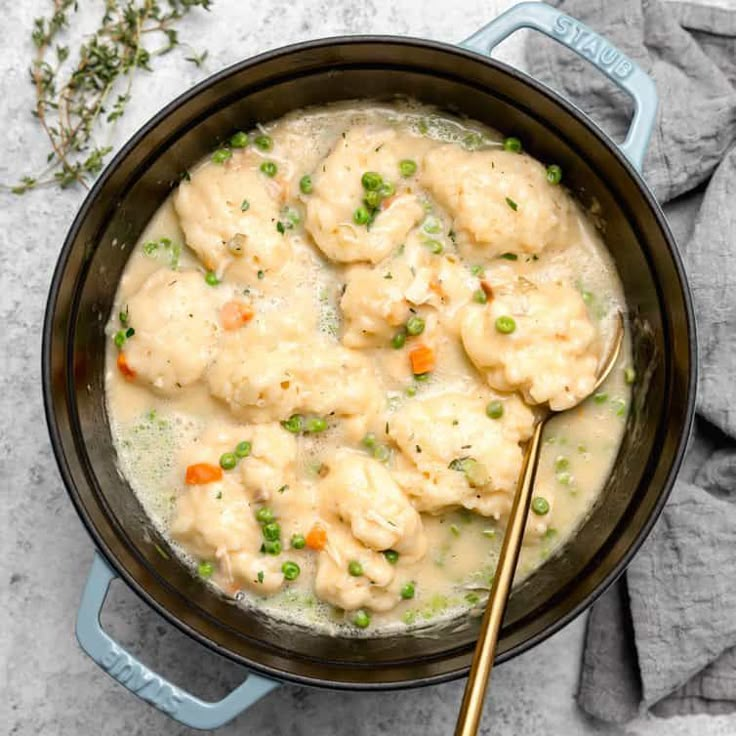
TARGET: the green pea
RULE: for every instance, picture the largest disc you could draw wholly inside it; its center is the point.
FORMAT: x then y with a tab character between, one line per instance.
407	168
407	591
554	174
264	515
387	189
315	424
269	168
381	453
432	225
239	140
512	144
211	278
263	142
540	505
480	297
305	184
272	547
629	375
361	216
294	424
399	339
272	531
369	440
564	478
587	296
221	155
291	570
411	391
298	541
205	569
561	463
505	325
494	409
242	449
601	397
362	619
620	406
415	326
477	270
228	460
391	555
434	246
355	568
371	181
119	338
372	199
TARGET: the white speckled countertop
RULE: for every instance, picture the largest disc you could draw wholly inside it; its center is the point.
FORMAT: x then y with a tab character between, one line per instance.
49	687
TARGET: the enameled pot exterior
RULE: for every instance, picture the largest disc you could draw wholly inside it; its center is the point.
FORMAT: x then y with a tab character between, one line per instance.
137	182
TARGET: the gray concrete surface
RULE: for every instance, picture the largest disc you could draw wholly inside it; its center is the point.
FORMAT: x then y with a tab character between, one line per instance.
49	688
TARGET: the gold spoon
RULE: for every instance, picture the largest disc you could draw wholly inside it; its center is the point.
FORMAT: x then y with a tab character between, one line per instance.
471	709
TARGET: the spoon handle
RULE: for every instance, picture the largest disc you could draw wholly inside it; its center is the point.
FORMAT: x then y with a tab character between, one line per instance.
471	709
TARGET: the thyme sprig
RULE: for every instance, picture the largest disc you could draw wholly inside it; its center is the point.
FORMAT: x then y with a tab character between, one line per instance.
73	100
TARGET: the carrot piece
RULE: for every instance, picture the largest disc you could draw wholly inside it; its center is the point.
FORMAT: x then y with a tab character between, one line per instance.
422	359
201	473
387	202
234	314
317	538
124	368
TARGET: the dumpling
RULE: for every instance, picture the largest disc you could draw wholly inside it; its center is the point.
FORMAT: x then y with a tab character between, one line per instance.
265	373
229	218
334	584
551	354
269	465
453	454
364	495
175	320
216	522
500	201
373	305
338	192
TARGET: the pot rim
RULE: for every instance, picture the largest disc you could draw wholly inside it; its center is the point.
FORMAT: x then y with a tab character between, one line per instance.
91	199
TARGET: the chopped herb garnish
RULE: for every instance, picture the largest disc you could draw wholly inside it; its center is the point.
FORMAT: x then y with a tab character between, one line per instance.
244	205
510	202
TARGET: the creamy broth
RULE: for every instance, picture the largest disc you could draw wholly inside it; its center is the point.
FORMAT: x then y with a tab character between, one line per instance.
325	307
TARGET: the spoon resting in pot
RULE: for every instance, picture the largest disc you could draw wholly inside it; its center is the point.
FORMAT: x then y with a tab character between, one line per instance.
471	708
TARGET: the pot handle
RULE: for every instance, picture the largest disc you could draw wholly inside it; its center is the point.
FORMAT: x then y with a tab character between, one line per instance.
587	44
143	682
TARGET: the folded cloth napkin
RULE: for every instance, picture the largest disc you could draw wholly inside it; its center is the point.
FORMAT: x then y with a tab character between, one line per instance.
664	638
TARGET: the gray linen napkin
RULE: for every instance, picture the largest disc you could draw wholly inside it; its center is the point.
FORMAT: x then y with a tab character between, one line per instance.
665	636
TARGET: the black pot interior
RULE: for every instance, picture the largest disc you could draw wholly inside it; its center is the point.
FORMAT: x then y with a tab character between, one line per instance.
143	175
